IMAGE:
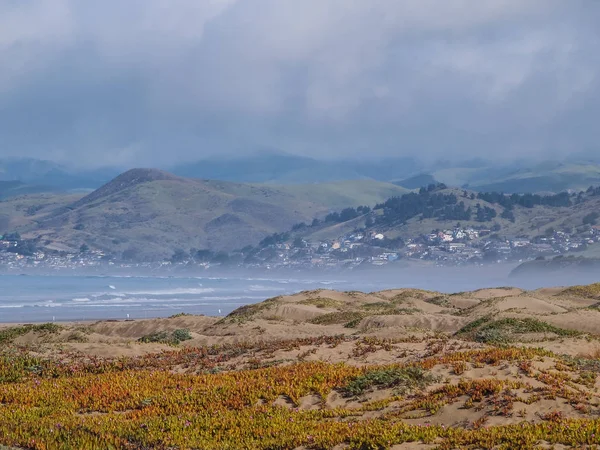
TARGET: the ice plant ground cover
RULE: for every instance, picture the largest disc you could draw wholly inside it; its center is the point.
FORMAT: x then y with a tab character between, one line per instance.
150	403
493	368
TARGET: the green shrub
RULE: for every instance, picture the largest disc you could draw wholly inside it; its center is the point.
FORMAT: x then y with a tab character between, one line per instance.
506	330
159	336
353	323
323	302
181	335
8	335
164	337
402	379
181	314
472	326
337	317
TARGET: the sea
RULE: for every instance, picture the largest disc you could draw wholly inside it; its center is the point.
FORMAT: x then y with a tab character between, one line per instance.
29	298
47	298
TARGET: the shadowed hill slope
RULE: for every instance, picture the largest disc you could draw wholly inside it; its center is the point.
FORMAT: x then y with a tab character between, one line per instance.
149	213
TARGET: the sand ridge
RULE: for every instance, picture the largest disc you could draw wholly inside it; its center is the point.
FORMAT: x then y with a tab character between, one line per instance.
493	357
391	313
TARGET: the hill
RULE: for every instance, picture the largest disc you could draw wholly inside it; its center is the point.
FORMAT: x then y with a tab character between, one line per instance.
417	181
51	175
396	369
447	225
574	266
148	213
10	189
282	168
520	177
442	207
23	211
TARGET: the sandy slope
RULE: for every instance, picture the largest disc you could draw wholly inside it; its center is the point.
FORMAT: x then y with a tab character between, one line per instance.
391	314
403	326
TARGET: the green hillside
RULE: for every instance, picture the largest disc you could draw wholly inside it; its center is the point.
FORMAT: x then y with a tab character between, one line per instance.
567	212
342	194
19	212
148	213
542	177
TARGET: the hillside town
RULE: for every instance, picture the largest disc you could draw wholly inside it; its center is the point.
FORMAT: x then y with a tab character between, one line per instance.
448	247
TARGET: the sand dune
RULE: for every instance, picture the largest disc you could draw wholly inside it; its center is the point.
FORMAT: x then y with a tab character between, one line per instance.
493	357
327	312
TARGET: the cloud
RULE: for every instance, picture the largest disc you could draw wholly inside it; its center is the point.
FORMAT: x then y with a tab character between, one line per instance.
155	83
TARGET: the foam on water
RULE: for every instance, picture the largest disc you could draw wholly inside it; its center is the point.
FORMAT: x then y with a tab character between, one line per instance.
40	298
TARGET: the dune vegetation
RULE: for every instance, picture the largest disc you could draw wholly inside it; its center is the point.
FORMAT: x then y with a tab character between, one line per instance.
511	371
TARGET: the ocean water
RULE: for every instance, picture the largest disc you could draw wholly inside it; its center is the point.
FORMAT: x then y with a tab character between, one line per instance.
34	298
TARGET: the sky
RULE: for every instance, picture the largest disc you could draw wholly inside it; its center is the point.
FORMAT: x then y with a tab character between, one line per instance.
149	82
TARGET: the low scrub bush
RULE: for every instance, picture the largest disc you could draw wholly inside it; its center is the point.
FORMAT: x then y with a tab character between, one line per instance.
403	379
8	335
323	302
508	329
164	337
337	318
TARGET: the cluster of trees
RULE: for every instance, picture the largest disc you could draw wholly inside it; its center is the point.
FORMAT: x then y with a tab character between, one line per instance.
346	214
275	238
432	188
484	214
593	191
525	200
14	236
25	247
591	218
428	203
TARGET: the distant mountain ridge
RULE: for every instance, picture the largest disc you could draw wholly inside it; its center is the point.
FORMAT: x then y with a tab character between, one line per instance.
417	181
281	168
16	188
51	175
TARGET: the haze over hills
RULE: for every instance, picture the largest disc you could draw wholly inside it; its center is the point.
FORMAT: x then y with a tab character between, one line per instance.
146	213
53	176
16	188
548	176
281	168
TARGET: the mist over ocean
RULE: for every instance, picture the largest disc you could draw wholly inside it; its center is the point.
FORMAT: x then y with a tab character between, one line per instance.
36	298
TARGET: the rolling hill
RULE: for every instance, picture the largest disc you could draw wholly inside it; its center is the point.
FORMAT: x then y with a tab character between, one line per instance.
10	189
522	221
51	175
546	176
283	168
280	168
148	213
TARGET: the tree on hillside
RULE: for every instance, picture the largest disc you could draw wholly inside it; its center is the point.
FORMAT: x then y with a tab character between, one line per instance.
179	255
508	214
14	236
298	242
591	218
299	226
202	255
221	258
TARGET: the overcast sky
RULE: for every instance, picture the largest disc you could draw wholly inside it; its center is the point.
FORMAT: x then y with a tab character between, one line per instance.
148	82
